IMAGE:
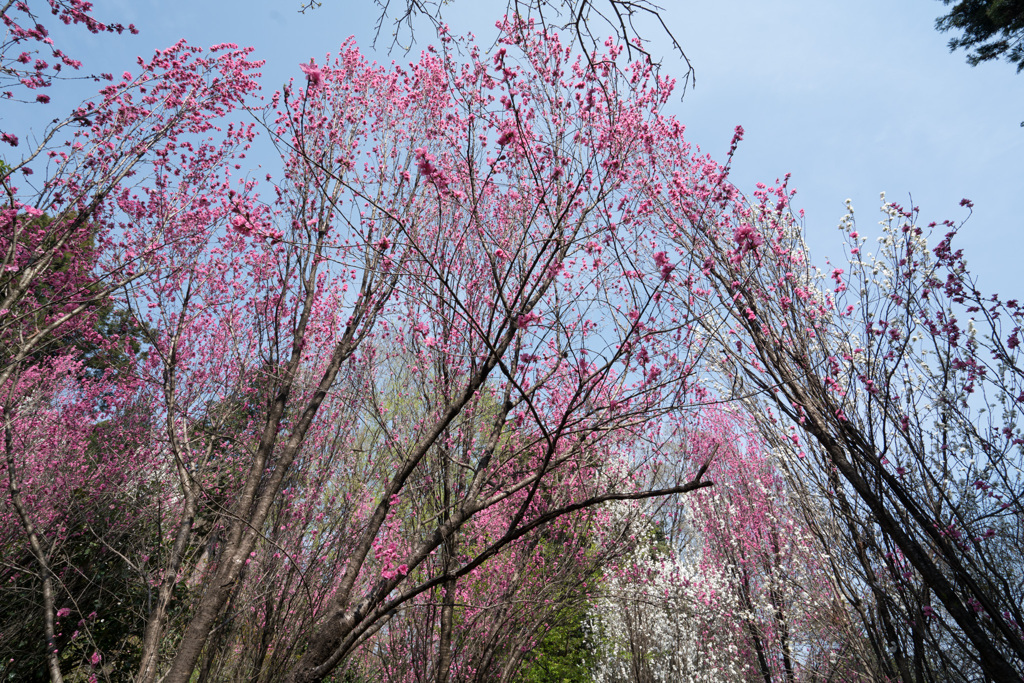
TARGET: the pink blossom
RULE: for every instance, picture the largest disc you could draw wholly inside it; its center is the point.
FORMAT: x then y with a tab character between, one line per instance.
240	224
661	260
747	239
314	76
525	321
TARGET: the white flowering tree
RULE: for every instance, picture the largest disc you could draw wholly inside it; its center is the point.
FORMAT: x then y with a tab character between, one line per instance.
657	622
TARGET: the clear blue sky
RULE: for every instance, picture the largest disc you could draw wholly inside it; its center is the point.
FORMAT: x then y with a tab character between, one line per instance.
850	98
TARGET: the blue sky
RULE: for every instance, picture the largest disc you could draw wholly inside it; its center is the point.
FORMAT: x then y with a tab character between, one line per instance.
850	98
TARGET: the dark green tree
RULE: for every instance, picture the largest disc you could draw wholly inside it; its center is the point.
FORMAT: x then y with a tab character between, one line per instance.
988	29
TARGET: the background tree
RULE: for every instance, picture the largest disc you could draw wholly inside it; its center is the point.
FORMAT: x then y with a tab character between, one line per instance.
72	446
989	29
733	587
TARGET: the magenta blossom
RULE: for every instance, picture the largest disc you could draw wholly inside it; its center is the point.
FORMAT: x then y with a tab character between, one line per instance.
314	76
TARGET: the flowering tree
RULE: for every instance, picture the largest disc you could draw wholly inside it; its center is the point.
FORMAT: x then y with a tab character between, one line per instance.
438	334
585	20
742	594
64	257
29	60
659	618
790	624
482	273
911	415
